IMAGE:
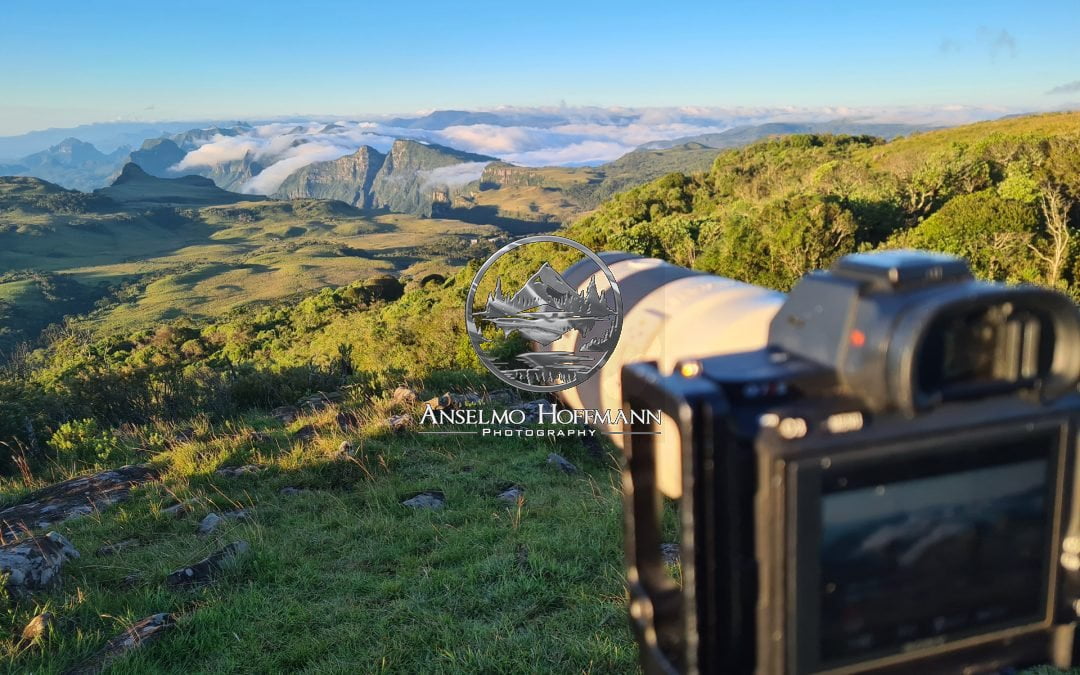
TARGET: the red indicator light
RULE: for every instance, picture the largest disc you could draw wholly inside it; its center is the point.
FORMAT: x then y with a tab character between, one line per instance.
858	338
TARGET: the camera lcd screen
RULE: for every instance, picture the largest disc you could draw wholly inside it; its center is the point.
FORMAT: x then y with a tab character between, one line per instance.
918	552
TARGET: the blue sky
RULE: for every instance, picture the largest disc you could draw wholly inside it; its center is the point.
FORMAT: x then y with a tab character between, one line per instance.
71	62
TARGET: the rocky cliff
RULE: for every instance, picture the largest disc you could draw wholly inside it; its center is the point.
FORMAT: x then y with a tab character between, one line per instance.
348	179
413	172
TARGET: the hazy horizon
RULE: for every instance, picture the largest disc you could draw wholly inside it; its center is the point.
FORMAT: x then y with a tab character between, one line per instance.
78	64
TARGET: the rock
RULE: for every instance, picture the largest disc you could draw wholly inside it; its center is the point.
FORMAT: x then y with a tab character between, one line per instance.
208	524
113	549
131	580
238	514
286	414
237	471
178	510
426	500
404	396
670	553
72	498
531	408
501	397
399	422
206	569
181	436
450	401
305	433
38	628
139	634
35	563
345	451
258	437
347	421
290	491
561	463
511	494
320	400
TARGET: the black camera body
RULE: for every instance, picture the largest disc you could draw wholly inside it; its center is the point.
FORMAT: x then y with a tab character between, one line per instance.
888	486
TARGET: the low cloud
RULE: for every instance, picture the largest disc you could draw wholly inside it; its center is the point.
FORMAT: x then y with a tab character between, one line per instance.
576	154
270	179
529	136
454	175
1067	88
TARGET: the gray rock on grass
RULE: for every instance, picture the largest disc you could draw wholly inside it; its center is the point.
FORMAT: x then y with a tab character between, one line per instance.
426	500
72	498
178	510
209	524
286	414
512	494
238	514
561	463
137	635
35	563
237	471
204	571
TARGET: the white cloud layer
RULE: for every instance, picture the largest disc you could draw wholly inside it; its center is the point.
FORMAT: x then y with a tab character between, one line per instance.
528	136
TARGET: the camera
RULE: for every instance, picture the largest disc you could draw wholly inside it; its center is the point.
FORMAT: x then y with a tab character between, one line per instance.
873	474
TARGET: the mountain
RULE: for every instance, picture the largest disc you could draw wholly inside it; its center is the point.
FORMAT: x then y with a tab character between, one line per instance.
545	288
72	163
410	175
193	138
157	156
136	187
743	135
409	179
441	119
348	179
524	199
106	136
27	194
546	307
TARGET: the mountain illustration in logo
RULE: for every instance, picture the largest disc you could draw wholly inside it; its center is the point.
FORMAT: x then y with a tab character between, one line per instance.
545	309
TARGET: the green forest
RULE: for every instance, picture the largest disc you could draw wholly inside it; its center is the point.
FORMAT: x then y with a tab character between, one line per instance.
192	395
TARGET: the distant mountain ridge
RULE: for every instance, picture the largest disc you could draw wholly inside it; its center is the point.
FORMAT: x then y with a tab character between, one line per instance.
71	163
136	187
743	135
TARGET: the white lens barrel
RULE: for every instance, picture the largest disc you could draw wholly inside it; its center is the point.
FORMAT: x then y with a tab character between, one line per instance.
670	314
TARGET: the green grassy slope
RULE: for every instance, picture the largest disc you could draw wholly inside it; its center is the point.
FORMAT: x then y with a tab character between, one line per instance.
344	578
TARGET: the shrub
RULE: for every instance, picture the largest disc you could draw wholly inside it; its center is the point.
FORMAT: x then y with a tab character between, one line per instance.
83	442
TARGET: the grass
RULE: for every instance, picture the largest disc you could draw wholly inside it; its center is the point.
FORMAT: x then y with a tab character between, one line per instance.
205	262
343	577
